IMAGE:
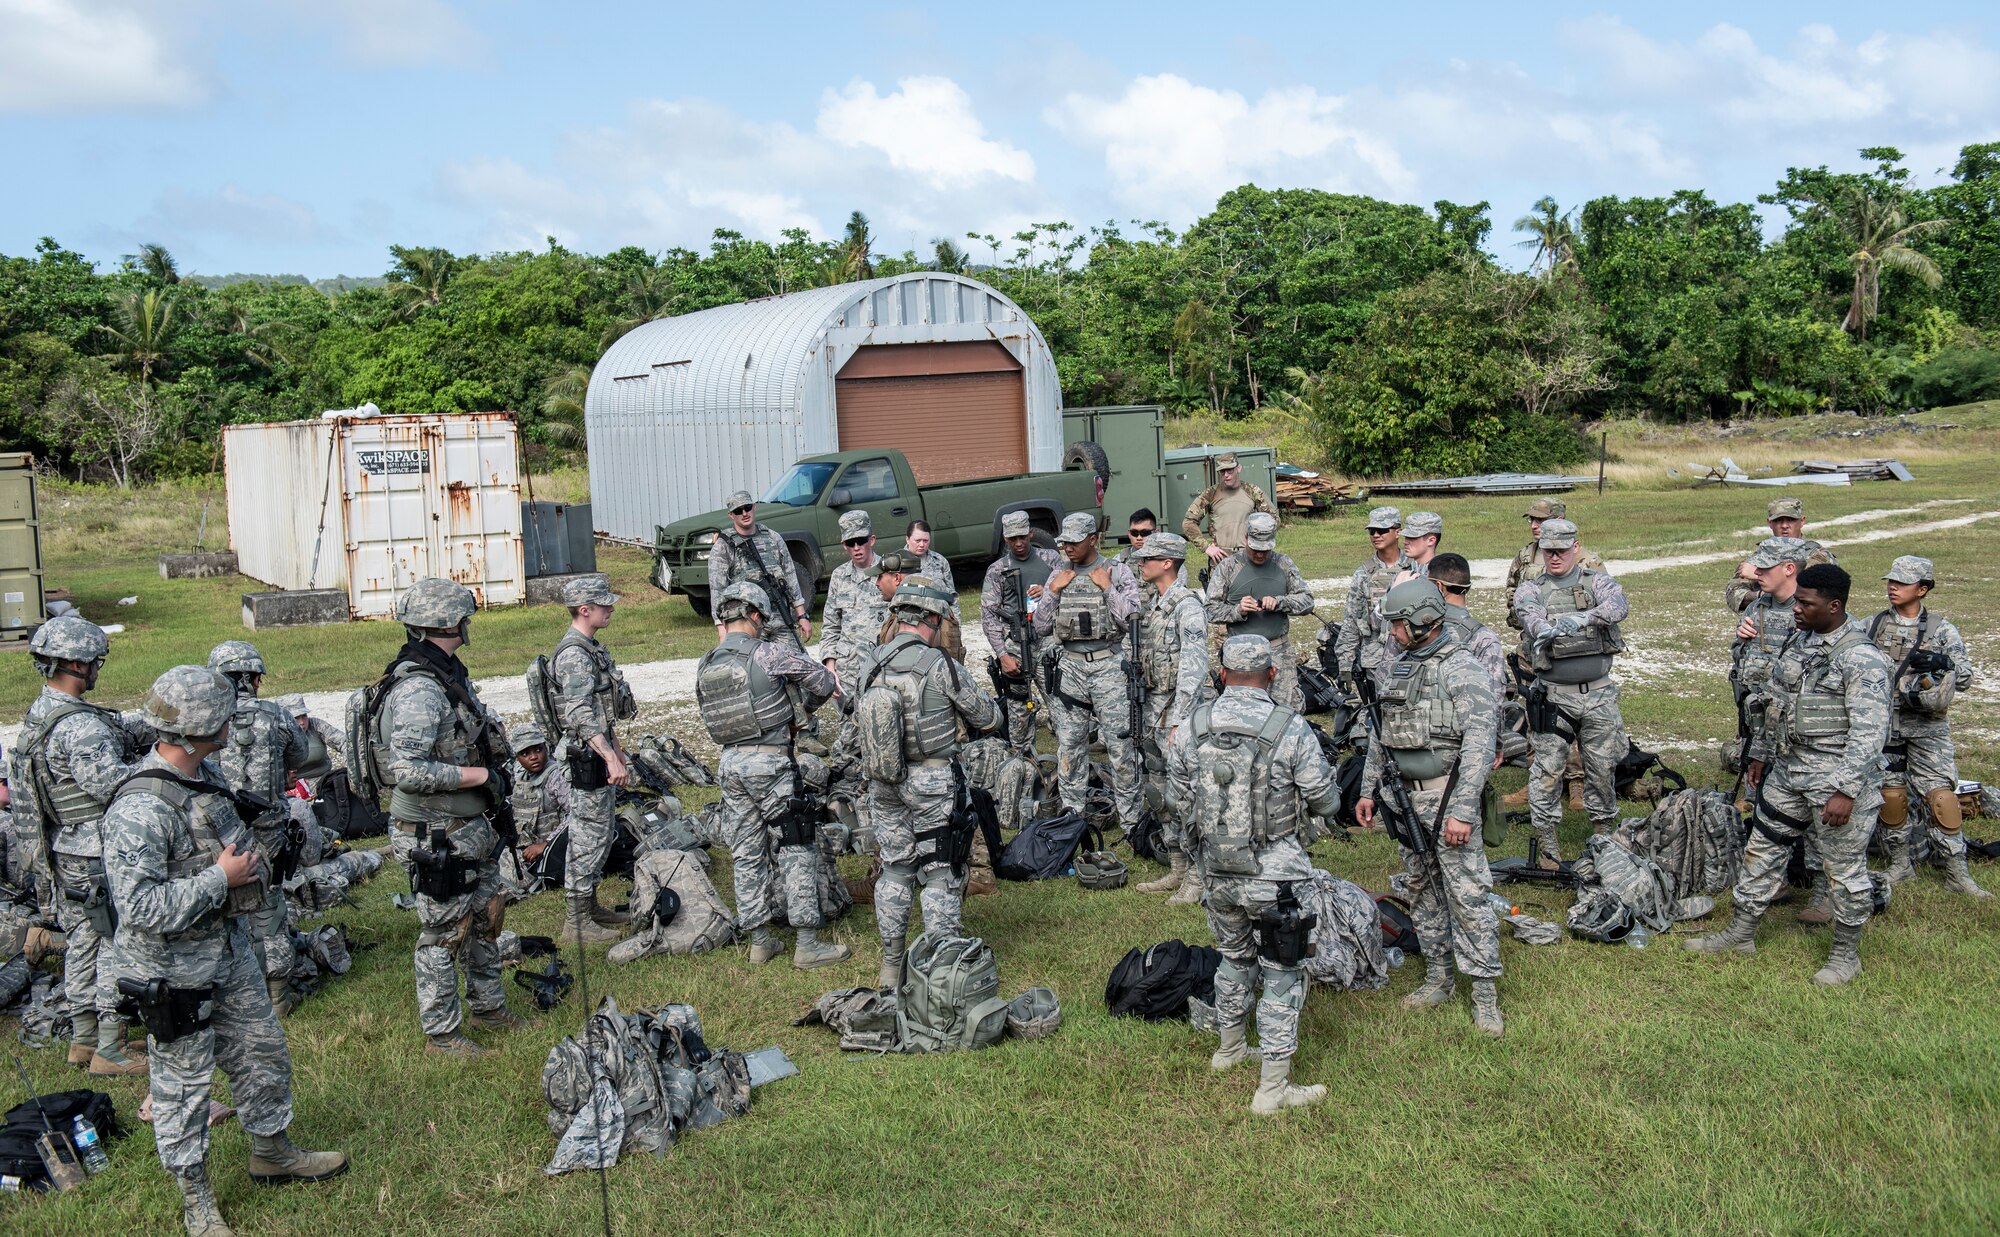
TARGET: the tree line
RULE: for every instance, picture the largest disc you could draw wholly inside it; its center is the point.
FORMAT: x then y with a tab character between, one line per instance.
1388	331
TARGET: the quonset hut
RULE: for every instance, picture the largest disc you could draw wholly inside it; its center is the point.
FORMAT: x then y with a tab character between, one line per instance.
684	410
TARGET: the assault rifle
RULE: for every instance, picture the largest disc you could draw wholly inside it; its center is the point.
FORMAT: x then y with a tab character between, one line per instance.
1016	690
1135	695
1399	814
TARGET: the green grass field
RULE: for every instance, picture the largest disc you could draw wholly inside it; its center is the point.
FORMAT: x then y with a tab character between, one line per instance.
1637	1091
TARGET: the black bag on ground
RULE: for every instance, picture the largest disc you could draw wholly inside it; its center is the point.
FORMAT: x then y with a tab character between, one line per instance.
1634	765
1145	837
1319	693
23	1125
1155	983
1043	849
345	814
1347	775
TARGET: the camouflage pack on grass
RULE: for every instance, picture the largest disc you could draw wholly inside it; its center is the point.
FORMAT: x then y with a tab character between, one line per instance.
669	759
1608	867
637	1081
700	921
1347	941
950	999
1697	837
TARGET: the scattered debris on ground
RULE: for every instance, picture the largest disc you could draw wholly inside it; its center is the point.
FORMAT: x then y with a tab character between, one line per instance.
1487	483
1728	473
1857	470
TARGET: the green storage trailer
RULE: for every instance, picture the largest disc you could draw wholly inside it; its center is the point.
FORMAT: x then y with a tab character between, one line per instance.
21	608
1130	436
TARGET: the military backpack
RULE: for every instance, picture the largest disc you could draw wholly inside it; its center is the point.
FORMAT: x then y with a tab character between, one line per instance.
950	996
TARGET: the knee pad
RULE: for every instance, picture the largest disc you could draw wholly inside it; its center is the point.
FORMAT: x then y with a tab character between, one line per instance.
1895	807
1284	985
1946	812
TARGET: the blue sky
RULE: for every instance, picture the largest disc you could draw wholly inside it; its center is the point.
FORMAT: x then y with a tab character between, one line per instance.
308	135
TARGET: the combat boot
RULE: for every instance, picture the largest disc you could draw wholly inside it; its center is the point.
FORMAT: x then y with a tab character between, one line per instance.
110	1060
604	916
1844	962
891	975
1896	843
811	953
1820	909
764	946
1486	1008
1235	1048
1177	865
274	1161
198	1210
1576	796
1189	894
283	999
453	1044
40	943
1275	1091
501	1019
1518	799
82	1039
1958	880
1439	985
580	926
1740	935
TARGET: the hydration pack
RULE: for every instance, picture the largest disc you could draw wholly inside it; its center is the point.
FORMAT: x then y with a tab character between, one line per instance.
1156	983
1044	848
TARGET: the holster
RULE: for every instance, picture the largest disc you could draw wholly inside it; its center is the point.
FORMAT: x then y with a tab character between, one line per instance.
440	873
1284	930
94	900
169	1013
285	862
587	770
798	824
951	842
1896	756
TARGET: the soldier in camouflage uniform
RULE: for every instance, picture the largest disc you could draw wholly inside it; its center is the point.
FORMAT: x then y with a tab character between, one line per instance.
1787	519
1022	572
1529	560
1438	720
889	572
1255	592
1245	774
1086	607
1227	507
326	743
591	698
1173	664
67	762
185	875
1362	638
265	746
913	816
1816	767
917	541
1931	668
444	754
1569	619
753	552
1142	525
855	607
753	691
1453	575
540	781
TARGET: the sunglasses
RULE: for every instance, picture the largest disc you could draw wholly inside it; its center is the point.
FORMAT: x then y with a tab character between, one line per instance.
1142	532
852	542
740	510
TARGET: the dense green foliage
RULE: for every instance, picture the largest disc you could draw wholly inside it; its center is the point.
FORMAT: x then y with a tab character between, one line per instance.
1385	327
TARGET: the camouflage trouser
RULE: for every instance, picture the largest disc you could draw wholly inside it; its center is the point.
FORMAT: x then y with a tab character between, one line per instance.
1449	885
1102	683
460	933
270	931
1233	904
244	1039
1842	851
756	786
1153	787
90	980
922	801
1930	764
593	822
1600	732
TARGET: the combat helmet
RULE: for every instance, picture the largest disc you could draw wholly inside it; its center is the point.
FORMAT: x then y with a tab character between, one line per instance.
922	593
68	637
433	605
190	703
1033	1014
234	657
739	599
1418	602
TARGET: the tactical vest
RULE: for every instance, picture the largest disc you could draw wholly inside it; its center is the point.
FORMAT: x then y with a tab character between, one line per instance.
213	826
1812	710
1380	578
606	682
1586	655
1756	656
740	702
1233	811
1417	715
459	748
1898	640
318	762
1462	625
63	803
930	723
1083	615
1252	580
1160	639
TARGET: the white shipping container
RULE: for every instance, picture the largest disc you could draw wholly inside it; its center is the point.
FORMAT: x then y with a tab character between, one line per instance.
370	505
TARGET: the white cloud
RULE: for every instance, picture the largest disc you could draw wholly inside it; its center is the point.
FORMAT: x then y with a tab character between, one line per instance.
393	34
58	56
926	127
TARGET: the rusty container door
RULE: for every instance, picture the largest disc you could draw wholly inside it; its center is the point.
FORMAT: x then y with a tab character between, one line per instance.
479	535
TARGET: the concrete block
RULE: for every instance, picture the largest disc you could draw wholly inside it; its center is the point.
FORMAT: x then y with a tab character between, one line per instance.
298	608
197	566
549	588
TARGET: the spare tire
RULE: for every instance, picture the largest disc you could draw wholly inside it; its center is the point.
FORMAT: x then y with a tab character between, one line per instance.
1087	454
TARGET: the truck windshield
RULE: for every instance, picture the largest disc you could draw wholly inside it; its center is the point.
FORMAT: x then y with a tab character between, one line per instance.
800	486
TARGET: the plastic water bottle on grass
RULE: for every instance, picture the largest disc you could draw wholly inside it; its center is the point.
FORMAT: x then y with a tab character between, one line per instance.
88	1148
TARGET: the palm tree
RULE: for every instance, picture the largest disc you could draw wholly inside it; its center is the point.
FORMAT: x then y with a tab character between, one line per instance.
1880	230
1551	234
157	262
562	406
263	342
419	280
650	292
143	339
857	247
947	256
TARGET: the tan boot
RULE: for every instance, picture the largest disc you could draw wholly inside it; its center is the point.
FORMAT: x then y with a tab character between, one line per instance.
1189	894
80	1052
1486	1008
502	1019
1275	1091
1235	1048
453	1044
581	926
110	1060
1896	842
891	975
40	943
764	946
1949	816
275	1161
1740	936
1516	800
198	1208
1576	796
1439	985
1176	869
1843	963
810	953
1819	910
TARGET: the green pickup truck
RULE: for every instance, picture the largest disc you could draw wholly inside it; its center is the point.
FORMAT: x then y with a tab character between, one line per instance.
805	506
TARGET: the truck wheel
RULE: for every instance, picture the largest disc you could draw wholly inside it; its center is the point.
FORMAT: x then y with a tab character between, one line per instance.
804	578
698	602
1087	454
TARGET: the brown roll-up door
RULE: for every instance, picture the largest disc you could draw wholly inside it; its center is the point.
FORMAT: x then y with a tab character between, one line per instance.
952	425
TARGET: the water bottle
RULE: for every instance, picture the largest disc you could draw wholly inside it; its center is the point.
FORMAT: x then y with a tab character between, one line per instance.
1638	936
1395	958
1501	906
9	1184
88	1148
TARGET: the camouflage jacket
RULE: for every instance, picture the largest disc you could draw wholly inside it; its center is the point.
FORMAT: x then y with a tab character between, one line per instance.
762	559
1826	711
428	740
1890	632
1483	643
1296	599
1608	603
590	694
995	610
169	927
1362	631
1181	608
1299	776
812	682
1123	595
265	745
951	682
1738	592
1200	510
89	750
1527	564
1751	660
853	614
1467	731
541	800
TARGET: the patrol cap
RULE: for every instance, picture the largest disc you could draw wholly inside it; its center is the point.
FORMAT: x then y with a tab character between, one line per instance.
855	524
295	705
1078	526
737	500
1786	509
1015	524
1163	545
1246	654
1774	550
589	590
1384	517
1262	533
1423	524
900	563
1546	509
1557	535
1225	461
1910	569
523	737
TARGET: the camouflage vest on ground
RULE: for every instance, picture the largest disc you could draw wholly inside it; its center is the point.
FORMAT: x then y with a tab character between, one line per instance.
214	826
1160	639
1233	813
607	684
1809	708
462	748
930	724
1897	641
61	802
1083	615
1756	656
1419	724
1585	656
739	702
1252	580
